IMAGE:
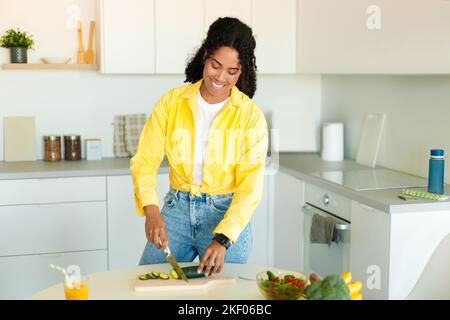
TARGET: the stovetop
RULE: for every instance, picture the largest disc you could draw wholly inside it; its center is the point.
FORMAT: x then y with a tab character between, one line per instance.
372	179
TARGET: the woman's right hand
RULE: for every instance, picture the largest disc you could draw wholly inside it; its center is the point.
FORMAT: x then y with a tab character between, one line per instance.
155	228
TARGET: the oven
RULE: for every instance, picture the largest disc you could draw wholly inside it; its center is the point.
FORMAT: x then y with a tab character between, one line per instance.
321	258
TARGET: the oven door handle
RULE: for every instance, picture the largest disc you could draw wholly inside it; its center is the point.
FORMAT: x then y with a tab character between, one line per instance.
311	211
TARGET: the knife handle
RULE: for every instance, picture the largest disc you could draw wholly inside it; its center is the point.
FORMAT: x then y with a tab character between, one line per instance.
166	250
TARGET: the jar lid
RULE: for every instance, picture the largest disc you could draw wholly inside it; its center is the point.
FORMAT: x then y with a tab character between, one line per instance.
52	137
72	137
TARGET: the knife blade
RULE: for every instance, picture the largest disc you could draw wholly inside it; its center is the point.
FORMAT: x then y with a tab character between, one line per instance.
173	262
177	267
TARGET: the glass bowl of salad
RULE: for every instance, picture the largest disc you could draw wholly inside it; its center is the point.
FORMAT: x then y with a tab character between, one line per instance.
278	285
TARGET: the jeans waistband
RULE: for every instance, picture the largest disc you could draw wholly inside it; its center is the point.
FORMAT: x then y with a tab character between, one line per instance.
185	195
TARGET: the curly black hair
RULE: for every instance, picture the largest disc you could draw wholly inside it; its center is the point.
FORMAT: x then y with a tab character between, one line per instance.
233	33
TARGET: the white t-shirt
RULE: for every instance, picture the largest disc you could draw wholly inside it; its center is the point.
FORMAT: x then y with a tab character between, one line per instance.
205	116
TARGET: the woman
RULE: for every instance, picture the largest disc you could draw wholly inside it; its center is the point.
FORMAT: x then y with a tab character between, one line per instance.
215	139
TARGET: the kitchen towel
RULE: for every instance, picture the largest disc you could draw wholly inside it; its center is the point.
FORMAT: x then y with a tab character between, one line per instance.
19	134
333	141
119	148
322	230
134	123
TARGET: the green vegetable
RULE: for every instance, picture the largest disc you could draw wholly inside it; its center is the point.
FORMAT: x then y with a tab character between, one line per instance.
143	277
191	272
155	275
333	287
163	276
270	275
174	274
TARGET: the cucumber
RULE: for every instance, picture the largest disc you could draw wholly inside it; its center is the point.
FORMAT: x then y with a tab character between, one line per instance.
191	272
155	275
150	275
174	274
163	276
143	277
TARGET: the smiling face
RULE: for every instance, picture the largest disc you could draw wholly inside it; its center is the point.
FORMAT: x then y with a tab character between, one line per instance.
221	72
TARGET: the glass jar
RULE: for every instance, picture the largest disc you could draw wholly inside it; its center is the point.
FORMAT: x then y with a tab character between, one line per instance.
72	147
52	148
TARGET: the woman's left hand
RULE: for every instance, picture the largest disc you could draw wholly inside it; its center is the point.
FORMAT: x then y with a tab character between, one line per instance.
213	258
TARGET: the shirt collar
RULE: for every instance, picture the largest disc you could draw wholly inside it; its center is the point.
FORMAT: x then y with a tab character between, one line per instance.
192	90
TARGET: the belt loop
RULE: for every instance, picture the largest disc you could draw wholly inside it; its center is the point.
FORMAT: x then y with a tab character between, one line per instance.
176	194
208	199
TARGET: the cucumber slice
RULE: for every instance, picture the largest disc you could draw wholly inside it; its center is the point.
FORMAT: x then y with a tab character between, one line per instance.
150	275
163	276
174	274
155	275
143	277
191	272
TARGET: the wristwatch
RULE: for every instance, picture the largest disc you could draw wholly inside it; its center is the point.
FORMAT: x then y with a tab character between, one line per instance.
222	239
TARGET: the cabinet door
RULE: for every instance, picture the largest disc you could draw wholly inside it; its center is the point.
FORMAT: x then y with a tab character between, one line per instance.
33	229
126	230
179	32
128	36
369	249
287	222
259	254
274	26
22	276
241	9
353	36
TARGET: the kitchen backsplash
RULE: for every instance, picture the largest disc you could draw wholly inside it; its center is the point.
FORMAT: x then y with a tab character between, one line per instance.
417	115
85	102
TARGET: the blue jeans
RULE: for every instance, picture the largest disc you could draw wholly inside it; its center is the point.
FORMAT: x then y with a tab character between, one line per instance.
190	221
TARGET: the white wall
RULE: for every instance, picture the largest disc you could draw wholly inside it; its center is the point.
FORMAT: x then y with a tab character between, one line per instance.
417	109
85	103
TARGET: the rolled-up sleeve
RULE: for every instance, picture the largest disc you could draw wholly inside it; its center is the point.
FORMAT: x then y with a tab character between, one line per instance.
249	179
145	163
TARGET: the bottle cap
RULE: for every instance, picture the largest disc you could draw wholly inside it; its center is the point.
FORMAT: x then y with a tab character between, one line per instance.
437	152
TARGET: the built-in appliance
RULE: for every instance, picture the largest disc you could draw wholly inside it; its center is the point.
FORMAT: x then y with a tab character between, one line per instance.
321	258
372	179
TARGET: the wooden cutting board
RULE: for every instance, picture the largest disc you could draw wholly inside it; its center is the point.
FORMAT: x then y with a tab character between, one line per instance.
176	285
19	139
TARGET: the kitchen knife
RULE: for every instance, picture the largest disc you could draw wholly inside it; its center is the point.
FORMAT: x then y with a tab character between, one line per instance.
173	262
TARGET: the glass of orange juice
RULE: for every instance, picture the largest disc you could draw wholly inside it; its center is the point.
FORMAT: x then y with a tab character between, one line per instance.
77	290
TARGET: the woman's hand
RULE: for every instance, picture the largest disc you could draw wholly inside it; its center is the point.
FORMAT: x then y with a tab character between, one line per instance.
155	228
213	258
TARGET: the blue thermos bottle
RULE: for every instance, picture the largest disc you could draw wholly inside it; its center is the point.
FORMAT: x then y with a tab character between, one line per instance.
436	172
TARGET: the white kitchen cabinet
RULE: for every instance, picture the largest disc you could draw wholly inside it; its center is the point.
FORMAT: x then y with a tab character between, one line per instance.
363	36
53	190
241	9
179	33
22	276
369	250
32	229
126	230
260	252
287	222
274	26
127	33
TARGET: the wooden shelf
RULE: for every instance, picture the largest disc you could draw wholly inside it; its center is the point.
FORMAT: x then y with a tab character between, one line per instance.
49	66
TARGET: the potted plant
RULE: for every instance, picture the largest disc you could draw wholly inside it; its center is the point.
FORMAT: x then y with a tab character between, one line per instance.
18	42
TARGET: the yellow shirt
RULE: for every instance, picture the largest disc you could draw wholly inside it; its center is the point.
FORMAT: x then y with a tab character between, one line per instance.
234	160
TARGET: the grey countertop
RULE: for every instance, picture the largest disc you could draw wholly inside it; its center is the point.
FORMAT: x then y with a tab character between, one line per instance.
303	166
299	165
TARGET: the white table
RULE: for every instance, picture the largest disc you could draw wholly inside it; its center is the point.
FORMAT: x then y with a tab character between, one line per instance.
118	285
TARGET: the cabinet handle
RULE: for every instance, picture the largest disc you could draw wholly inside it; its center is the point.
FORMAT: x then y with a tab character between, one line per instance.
50	255
366	207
